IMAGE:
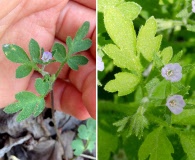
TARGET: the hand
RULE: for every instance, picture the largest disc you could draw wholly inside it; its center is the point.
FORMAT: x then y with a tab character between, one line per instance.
48	21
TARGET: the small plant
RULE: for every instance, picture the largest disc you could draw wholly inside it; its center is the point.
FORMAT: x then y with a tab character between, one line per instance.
150	109
86	138
29	103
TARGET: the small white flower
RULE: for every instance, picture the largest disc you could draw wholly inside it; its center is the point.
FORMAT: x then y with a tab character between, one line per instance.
172	72
175	103
100	63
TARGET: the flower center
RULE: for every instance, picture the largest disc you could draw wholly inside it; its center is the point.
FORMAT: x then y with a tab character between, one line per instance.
169	73
172	103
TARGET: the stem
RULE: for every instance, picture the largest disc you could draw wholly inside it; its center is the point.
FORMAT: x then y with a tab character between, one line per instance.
87	156
59	69
54	121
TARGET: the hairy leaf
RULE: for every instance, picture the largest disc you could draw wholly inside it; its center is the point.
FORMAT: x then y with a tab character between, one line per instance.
147	43
59	52
166	55
34	50
130	10
79	44
122	32
42	87
188	143
28	103
75	61
15	53
23	71
124	83
157	146
187	117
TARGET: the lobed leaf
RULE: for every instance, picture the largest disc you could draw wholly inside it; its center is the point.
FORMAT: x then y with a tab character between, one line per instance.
79	44
124	83
130	10
75	61
186	117
28	103
15	53
34	50
106	4
122	32
78	146
188	143
23	71
59	52
147	43
157	146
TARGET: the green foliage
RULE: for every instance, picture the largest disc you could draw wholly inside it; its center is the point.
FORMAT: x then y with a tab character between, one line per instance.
133	47
75	61
124	83
79	44
15	53
34	50
28	103
87	133
23	71
42	87
188	142
59	52
147	43
157	146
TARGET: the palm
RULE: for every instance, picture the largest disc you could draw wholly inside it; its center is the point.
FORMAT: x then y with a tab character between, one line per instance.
46	21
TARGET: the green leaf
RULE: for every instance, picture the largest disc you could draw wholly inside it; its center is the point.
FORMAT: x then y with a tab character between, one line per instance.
187	117
78	146
75	61
122	32
151	85
34	50
79	44
188	143
59	52
177	57
130	10
15	53
106	4
42	87
191	28
87	132
166	55
28	103
159	91
23	71
82	31
124	83
121	123
147	43
138	123
107	144
157	146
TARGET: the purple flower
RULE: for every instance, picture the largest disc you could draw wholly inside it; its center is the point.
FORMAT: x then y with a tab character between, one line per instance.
46	56
175	103
100	63
193	6
172	72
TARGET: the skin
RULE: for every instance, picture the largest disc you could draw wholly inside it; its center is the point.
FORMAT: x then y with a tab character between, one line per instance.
49	21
